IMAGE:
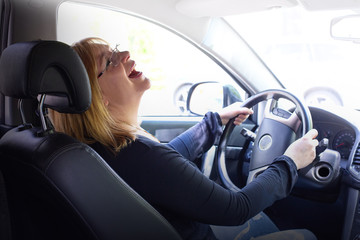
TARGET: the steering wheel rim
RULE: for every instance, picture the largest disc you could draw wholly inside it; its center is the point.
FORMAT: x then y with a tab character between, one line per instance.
264	151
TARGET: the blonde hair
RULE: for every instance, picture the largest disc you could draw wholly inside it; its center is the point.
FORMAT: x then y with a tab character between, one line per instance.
95	124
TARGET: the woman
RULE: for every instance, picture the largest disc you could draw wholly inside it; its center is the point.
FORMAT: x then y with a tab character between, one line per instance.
164	174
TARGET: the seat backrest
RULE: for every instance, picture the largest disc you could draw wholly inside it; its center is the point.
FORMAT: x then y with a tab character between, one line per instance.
57	187
5	225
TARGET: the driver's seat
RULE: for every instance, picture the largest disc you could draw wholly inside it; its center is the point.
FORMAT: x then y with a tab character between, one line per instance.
57	187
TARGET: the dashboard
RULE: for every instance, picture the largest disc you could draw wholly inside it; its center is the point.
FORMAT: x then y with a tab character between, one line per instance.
341	137
339	128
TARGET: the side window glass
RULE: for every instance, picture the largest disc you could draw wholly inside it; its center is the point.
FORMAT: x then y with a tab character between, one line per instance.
172	63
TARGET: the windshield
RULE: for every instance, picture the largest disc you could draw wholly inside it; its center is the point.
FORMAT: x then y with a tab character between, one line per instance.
296	45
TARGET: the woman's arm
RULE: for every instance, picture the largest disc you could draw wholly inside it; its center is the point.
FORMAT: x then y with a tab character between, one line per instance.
179	187
199	138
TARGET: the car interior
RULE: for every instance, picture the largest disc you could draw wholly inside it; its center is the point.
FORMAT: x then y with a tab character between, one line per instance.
54	187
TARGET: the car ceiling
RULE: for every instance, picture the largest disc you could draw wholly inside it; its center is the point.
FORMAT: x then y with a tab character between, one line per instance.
177	14
201	8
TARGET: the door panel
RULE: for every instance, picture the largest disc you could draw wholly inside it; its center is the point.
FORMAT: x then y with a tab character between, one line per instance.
167	128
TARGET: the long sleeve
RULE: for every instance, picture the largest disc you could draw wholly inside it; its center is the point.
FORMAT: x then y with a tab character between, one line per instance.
188	199
199	138
182	188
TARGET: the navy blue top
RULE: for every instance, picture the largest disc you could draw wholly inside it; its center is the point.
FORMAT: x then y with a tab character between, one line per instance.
165	176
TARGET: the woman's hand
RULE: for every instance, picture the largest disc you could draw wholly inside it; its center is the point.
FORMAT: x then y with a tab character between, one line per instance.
234	110
302	151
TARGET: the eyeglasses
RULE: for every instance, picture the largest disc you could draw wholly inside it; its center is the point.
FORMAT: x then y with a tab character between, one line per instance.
113	60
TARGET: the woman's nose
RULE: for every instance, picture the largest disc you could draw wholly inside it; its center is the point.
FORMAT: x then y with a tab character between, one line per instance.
124	56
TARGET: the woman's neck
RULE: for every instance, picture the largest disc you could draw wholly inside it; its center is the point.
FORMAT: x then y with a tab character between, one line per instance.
134	124
129	115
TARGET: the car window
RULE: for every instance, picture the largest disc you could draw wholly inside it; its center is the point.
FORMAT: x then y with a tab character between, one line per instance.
172	63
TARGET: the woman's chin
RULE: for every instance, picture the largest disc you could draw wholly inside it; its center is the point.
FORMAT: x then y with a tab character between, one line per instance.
147	80
143	83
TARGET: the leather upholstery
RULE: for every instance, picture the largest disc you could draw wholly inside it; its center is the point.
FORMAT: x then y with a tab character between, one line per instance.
57	187
45	67
64	190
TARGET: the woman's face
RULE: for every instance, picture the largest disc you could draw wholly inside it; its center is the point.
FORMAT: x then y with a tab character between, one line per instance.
120	83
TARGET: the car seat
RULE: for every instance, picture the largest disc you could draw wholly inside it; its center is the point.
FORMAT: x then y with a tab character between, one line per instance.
58	187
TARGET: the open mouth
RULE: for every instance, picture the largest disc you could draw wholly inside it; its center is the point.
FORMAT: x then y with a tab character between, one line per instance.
134	73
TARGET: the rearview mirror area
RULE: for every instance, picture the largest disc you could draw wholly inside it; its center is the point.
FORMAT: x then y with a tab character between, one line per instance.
210	96
346	28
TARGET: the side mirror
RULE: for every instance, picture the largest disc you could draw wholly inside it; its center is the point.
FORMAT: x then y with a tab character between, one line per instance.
346	28
210	96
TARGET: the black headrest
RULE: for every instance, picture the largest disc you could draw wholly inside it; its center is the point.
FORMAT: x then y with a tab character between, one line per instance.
29	69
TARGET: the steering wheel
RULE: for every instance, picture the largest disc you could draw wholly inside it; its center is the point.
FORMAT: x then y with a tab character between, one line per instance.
276	132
